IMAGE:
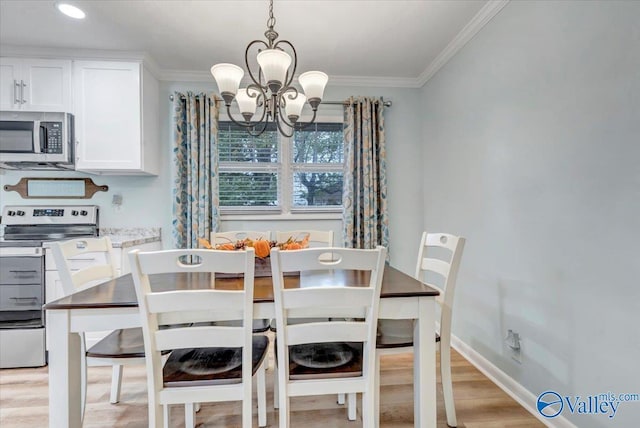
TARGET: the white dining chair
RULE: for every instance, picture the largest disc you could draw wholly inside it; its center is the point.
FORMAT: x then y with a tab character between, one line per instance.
334	351
233	236
209	362
317	238
120	347
438	262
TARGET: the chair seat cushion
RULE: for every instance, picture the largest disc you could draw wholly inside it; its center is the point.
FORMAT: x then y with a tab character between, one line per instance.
121	343
325	360
211	366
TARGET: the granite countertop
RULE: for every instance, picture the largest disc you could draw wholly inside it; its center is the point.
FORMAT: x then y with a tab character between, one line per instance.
123	238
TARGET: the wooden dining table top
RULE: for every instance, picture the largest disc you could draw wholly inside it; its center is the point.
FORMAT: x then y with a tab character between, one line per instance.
120	292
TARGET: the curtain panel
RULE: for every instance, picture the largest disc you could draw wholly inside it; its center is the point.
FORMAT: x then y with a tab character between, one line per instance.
195	155
365	216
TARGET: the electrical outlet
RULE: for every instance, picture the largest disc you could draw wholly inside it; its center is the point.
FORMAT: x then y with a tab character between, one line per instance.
513	343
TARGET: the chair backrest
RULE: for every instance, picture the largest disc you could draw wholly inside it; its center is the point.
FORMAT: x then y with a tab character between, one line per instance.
439	254
355	306
238	235
317	238
96	271
189	311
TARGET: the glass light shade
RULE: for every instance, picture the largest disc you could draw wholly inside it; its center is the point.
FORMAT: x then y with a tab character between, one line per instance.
246	103
274	64
313	83
228	77
294	106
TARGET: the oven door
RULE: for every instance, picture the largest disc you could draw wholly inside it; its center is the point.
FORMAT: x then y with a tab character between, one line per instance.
21	288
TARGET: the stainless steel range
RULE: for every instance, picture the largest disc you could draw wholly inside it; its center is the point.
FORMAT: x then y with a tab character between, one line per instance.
27	229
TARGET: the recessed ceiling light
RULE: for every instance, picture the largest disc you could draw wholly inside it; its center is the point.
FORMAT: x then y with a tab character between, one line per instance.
70	10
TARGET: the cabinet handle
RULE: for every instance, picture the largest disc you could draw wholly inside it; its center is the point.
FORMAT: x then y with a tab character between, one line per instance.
23	271
16	89
23	85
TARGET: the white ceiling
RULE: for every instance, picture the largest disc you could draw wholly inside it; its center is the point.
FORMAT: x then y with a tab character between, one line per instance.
349	38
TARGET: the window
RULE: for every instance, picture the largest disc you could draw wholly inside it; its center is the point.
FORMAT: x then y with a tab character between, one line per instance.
273	173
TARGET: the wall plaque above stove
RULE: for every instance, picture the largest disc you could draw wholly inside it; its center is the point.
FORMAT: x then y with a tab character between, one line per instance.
56	188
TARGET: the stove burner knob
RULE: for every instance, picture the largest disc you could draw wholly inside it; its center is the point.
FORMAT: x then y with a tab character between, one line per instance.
20	213
74	212
83	212
11	213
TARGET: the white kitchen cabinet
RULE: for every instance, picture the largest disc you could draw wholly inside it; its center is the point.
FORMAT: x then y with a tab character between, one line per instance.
116	107
35	85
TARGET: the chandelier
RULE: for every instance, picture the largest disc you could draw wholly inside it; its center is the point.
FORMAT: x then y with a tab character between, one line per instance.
271	89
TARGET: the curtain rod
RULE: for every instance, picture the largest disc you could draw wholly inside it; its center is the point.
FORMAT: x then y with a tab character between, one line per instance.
386	103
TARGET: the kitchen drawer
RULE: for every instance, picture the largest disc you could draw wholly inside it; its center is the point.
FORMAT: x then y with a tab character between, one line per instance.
76	263
21	297
21	270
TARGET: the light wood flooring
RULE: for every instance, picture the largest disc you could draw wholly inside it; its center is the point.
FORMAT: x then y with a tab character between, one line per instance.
479	403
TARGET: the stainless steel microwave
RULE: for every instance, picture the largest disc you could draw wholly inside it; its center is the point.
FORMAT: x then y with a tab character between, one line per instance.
34	140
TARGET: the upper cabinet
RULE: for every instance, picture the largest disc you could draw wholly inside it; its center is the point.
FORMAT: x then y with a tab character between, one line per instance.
35	85
116	107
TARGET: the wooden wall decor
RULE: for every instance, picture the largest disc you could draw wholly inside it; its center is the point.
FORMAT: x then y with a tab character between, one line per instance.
55	188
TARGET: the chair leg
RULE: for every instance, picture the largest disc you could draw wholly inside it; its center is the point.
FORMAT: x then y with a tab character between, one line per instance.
368	410
247	414
276	391
341	398
116	383
262	396
167	414
447	385
351	406
283	412
83	382
189	415
376	394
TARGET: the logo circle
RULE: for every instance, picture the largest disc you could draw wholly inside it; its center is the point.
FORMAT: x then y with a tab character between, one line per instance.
545	402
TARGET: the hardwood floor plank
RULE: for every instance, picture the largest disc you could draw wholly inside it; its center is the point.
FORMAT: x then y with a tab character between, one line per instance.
479	403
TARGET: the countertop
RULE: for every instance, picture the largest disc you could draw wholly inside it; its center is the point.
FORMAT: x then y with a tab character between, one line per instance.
128	237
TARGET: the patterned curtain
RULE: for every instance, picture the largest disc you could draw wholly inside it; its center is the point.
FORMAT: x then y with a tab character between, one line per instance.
365	217
195	186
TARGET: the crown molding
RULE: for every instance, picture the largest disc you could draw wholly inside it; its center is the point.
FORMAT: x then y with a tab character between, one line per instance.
481	19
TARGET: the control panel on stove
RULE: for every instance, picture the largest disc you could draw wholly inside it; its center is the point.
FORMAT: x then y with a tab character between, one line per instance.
58	214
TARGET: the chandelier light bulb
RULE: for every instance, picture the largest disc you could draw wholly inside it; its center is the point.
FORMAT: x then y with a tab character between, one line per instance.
274	64
246	102
228	77
313	84
293	107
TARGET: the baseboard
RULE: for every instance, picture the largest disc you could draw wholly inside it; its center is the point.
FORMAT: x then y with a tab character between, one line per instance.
505	382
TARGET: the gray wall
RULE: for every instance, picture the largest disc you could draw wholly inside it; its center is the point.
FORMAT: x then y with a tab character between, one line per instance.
531	145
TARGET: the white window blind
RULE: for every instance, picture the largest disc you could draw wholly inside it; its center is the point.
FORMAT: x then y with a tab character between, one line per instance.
271	172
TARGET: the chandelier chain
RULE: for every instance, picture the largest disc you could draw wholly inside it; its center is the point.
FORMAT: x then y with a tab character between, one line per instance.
271	22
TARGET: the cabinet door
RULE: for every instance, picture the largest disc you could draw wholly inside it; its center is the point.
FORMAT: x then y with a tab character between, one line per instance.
10	98
46	85
108	115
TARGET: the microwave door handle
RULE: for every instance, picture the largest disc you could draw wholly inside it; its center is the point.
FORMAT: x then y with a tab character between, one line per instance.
37	136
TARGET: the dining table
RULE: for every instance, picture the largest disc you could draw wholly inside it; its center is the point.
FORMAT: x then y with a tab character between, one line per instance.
113	304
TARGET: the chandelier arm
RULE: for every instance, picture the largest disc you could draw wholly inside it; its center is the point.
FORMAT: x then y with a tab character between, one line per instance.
295	61
246	60
282	130
246	125
264	98
284	119
306	125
